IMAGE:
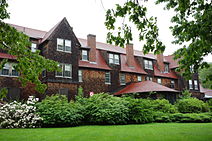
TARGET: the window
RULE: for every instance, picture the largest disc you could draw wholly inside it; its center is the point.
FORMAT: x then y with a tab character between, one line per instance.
195	85
159	81
148	78
172	84
107	78
192	68
9	70
190	84
33	47
148	64
114	58
80	75
65	72
122	79
84	55
44	73
63	45
139	78
166	68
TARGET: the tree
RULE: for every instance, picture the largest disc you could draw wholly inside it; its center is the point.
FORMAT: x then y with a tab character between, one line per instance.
206	77
192	26
30	65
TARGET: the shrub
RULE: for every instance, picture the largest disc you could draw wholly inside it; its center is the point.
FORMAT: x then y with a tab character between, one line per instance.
57	112
105	109
18	115
209	102
192	105
141	110
163	105
191	117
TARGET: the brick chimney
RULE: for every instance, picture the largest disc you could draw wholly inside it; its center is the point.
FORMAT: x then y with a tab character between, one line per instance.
160	62
91	42
130	55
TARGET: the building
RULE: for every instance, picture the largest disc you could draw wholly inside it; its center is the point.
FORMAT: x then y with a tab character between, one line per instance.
96	67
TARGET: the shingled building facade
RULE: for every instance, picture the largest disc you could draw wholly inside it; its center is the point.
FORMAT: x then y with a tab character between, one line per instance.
96	67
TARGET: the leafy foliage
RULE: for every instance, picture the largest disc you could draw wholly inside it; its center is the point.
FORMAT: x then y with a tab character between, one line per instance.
147	28
30	65
186	94
163	105
105	109
205	76
192	105
57	112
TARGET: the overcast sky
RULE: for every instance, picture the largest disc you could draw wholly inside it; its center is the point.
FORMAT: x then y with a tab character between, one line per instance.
85	16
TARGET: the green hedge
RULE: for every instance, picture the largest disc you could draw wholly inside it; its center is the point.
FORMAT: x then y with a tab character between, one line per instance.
56	111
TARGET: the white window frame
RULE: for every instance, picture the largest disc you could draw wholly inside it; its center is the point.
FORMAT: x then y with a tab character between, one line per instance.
172	83
80	75
63	44
68	68
148	64
64	67
33	47
139	78
122	79
149	78
84	54
107	78
196	85
159	81
10	68
190	84
113	59
166	70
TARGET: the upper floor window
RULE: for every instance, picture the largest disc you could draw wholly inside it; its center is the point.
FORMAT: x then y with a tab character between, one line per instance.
139	78
84	55
80	75
114	58
63	45
148	78
172	84
33	47
159	81
148	64
107	78
166	68
190	84
66	70
192	68
9	70
122	79
195	85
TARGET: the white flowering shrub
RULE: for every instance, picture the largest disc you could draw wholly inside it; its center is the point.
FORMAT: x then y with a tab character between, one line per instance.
18	115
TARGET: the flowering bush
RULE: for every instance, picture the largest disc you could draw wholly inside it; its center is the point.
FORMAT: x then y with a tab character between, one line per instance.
18	115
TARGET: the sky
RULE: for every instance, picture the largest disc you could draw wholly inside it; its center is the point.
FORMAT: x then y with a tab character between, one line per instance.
86	17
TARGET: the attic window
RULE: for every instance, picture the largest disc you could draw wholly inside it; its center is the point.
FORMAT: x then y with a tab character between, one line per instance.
114	59
148	64
84	55
63	45
166	68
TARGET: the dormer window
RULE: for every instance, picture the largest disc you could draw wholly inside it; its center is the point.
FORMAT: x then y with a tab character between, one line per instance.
33	47
166	68
148	64
114	59
84	55
63	45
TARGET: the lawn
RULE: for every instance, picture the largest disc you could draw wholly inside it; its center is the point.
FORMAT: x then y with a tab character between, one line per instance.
145	132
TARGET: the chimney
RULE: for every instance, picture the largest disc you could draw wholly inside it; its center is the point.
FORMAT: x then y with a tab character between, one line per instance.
130	55
160	62
91	42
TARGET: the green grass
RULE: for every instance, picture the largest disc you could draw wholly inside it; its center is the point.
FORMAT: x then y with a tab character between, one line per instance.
145	132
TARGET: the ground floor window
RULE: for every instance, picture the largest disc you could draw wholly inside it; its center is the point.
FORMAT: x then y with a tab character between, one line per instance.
139	78
122	79
159	81
107	78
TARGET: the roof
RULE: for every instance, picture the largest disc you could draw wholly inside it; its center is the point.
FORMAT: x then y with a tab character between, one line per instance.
170	74
99	64
172	63
7	56
144	86
33	33
207	92
125	68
